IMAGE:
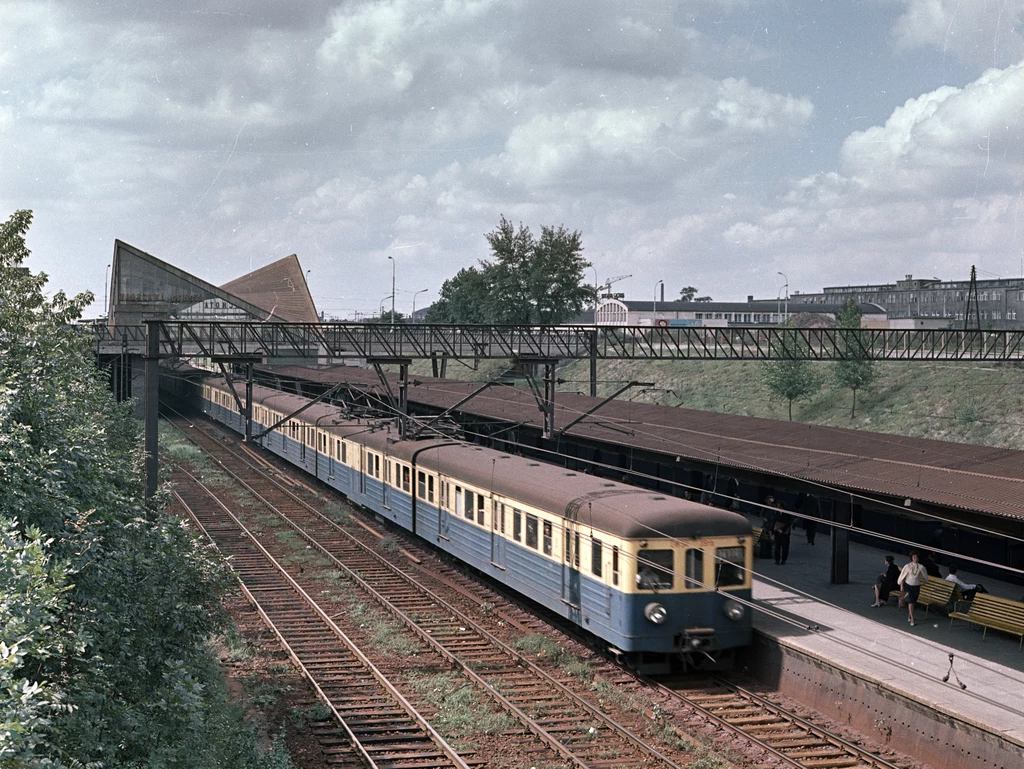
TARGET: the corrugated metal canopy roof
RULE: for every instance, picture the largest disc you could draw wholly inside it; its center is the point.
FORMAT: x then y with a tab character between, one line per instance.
954	475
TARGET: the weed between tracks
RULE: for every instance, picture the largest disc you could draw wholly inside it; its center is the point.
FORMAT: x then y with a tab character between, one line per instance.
385	634
461	712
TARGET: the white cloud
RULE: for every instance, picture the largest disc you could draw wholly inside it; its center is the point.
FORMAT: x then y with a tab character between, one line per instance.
988	33
947	139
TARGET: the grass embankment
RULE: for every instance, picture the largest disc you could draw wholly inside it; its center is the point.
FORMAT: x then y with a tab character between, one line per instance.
960	402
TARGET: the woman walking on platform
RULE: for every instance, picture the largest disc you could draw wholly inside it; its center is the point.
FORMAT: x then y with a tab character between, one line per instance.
911	578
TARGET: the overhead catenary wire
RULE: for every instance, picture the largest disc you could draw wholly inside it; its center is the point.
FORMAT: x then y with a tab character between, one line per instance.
788	619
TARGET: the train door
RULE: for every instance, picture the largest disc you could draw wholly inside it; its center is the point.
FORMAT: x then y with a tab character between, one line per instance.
571	567
303	437
362	470
497	534
443	520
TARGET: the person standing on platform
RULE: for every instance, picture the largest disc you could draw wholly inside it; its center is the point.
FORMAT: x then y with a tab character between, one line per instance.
811	527
910	580
887	581
782	529
930	566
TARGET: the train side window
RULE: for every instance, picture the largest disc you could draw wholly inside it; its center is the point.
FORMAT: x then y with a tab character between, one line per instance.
459	502
654	569
467	506
694	568
576	552
531	531
517	525
502	524
595	557
430	488
547	537
729	566
480	502
406	479
344	451
615	565
376	466
444	495
421	484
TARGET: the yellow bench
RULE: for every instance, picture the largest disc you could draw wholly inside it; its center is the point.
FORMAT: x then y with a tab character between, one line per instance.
990	611
938	592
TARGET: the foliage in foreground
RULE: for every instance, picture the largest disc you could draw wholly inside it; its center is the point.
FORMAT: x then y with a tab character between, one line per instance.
106	603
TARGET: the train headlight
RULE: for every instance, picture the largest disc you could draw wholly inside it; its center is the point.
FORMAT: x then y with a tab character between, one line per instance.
734	610
656	613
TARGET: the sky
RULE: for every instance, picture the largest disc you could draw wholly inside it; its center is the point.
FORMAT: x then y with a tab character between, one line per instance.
740	146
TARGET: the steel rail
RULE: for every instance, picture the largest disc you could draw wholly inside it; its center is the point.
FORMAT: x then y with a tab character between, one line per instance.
390	688
539	730
810	726
849	748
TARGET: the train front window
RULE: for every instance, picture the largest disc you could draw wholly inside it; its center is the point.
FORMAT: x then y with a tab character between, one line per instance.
729	563
654	569
694	568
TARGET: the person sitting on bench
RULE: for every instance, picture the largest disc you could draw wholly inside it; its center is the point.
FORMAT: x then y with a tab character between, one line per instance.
966	590
886	581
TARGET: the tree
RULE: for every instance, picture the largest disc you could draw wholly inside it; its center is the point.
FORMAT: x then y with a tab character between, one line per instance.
386	317
555	285
462	299
508	274
526	280
689	294
790	375
853	371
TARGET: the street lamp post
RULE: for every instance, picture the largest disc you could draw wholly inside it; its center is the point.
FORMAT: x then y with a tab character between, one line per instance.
392	290
381	313
654	312
786	316
414	302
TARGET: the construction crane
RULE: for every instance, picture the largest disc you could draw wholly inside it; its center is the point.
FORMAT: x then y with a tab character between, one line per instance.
607	285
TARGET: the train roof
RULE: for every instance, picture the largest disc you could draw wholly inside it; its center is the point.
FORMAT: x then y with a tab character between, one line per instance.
617	508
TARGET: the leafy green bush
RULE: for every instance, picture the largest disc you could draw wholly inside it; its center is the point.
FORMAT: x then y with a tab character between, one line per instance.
106	603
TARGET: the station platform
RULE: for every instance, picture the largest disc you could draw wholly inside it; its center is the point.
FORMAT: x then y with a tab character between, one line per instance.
826	645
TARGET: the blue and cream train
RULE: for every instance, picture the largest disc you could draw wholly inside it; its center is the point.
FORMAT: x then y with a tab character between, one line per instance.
652	575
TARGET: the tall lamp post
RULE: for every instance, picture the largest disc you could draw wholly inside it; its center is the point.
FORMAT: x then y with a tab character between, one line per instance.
392	290
414	302
654	312
381	313
786	287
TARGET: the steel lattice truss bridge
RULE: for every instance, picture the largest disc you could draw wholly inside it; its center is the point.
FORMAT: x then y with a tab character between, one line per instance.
229	344
339	341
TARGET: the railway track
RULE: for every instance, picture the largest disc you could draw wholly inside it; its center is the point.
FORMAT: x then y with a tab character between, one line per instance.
777	730
785	738
576	733
382	728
